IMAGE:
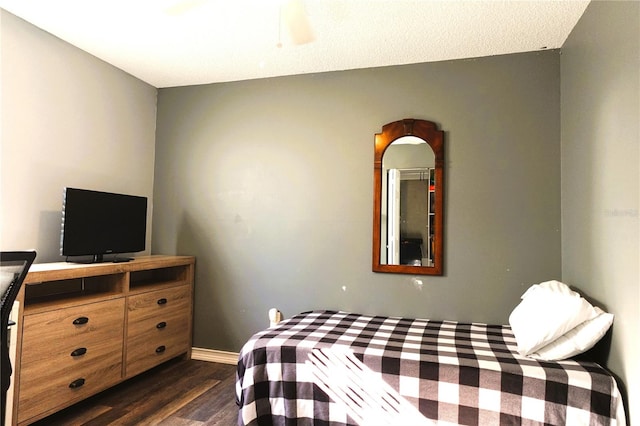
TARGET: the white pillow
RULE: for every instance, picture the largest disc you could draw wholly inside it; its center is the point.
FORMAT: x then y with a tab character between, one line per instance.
546	312
578	340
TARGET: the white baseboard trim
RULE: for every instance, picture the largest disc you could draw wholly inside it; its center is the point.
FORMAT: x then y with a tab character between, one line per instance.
213	355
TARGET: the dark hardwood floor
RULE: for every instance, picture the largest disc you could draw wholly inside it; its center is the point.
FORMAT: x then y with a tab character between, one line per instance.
179	392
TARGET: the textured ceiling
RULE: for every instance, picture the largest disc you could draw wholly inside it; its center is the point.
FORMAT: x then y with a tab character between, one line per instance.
185	42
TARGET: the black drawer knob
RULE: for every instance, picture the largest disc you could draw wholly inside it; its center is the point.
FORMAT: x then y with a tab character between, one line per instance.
80	320
161	325
162	301
79	351
76	383
160	349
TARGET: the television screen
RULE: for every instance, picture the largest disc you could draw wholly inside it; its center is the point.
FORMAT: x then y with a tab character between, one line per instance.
97	223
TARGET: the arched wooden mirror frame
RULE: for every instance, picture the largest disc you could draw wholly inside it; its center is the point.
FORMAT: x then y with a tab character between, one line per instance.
427	131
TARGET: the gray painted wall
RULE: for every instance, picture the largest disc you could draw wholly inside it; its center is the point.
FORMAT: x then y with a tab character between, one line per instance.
68	119
600	175
270	184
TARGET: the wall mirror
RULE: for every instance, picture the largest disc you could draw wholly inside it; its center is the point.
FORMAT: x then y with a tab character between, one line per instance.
408	197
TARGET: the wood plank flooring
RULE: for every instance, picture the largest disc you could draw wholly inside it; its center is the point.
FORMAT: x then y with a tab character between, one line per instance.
179	392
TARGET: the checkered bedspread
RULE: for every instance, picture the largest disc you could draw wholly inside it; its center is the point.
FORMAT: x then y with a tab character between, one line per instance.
340	368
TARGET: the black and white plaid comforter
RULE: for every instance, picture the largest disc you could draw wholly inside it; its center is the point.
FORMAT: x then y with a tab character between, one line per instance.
340	368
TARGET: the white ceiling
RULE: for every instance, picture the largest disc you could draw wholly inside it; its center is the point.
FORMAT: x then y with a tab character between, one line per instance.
185	42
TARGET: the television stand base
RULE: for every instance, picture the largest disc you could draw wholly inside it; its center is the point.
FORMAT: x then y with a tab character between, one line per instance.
100	259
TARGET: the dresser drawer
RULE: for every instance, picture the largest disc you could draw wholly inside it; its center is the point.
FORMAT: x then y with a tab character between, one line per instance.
63	362
68	366
165	323
149	346
154	304
42	394
158	327
51	337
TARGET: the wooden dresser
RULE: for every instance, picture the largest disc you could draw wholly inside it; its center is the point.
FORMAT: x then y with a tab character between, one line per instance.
84	328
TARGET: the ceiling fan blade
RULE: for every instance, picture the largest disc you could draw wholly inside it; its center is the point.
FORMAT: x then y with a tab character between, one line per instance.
297	22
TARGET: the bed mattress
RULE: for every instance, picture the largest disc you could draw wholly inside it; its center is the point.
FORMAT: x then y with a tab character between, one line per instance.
342	368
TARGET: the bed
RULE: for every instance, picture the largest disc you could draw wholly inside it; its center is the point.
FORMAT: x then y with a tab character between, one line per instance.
343	368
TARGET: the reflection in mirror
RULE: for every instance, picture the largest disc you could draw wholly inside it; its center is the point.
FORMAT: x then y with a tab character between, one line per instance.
408	198
408	185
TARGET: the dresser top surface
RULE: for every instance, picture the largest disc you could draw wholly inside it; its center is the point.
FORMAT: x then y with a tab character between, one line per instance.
65	270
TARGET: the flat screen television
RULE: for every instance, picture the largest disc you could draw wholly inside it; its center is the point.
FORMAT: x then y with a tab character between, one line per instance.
96	223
